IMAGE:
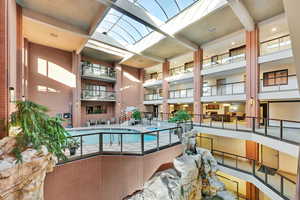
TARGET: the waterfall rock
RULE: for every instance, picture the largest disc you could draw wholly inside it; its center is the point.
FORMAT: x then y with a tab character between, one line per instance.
23	181
193	177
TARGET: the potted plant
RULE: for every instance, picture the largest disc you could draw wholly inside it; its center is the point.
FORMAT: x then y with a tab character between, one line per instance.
136	115
180	116
73	145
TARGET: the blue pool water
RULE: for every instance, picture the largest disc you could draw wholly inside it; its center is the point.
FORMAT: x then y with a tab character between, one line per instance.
130	136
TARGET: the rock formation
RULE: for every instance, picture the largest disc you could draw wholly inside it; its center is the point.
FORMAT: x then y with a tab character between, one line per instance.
23	181
192	178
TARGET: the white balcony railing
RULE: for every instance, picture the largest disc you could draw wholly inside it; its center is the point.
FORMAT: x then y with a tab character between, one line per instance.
184	93
97	95
152	97
224	90
223	59
274	45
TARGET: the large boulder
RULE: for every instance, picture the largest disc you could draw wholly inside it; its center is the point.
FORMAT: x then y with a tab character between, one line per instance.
192	178
23	181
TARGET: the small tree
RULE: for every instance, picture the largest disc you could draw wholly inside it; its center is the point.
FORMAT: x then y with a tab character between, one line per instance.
180	116
136	115
36	129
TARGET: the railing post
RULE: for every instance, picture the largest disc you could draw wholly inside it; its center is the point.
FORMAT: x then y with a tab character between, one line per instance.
281	129
253	167
281	185
236	162
236	123
223	158
170	137
121	143
210	121
81	141
253	124
100	142
266	126
223	121
157	140
142	143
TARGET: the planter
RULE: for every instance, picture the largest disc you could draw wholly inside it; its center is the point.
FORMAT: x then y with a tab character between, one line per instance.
72	150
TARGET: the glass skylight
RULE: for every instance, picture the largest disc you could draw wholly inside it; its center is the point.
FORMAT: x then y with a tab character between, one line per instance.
128	31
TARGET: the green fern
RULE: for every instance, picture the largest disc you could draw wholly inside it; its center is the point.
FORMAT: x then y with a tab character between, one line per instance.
38	129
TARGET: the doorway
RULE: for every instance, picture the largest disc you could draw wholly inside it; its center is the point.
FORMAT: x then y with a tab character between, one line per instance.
155	111
221	87
263	113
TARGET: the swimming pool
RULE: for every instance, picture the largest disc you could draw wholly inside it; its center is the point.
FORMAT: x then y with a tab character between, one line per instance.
130	136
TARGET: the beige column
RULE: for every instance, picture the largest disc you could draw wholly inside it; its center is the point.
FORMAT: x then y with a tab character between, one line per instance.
3	67
252	85
118	90
198	84
165	89
76	104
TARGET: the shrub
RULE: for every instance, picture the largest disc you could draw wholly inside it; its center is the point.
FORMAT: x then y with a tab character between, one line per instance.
136	115
38	129
180	116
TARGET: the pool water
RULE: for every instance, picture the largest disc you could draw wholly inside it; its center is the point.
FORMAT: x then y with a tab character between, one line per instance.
131	136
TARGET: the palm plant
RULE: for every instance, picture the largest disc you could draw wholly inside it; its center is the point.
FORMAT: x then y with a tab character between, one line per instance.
38	129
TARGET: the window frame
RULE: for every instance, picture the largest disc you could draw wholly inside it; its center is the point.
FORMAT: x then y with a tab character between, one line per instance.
265	78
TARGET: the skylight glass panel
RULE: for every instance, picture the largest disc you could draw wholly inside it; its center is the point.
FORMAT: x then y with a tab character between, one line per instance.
124	29
184	3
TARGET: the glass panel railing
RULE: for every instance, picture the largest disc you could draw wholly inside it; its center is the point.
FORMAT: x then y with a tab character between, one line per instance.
97	71
180	70
222	60
152	77
275	45
277	84
97	95
152	97
226	89
184	93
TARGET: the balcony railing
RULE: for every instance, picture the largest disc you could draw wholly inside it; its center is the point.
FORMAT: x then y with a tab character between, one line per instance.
124	142
153	77
223	90
274	45
223	59
97	95
180	70
152	97
184	93
97	71
283	186
284	83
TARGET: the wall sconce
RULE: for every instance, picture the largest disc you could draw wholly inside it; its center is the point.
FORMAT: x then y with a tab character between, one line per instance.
251	101
12	95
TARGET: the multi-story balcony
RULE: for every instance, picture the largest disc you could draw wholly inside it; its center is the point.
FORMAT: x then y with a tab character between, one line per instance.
224	62
98	72
153	98
275	49
181	96
97	95
285	87
152	79
226	92
184	72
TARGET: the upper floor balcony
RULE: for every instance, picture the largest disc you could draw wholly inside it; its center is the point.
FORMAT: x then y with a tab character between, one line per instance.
97	95
152	79
230	61
279	87
275	49
225	92
181	96
184	72
98	72
153	98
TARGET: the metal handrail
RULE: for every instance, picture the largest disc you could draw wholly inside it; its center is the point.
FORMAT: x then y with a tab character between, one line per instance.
278	45
253	172
96	70
149	77
224	89
181	69
99	94
155	96
225	58
180	94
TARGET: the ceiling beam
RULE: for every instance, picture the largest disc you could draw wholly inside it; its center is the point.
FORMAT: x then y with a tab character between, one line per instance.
131	10
242	13
52	22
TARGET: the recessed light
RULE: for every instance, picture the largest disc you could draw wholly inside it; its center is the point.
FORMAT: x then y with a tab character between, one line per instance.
212	29
232	43
274	29
54	35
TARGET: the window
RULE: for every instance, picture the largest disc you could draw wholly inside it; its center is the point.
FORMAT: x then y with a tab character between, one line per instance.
98	109
275	78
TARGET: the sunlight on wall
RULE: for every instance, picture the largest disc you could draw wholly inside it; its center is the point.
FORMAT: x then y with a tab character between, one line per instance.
42	88
132	78
56	72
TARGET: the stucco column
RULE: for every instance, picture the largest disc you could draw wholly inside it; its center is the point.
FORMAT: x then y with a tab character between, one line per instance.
165	89
76	103
3	67
19	57
198	83
118	90
252	85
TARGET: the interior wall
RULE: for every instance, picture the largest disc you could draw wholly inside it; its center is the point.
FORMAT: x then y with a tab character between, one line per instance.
290	67
228	79
50	78
285	110
231	186
288	163
105	177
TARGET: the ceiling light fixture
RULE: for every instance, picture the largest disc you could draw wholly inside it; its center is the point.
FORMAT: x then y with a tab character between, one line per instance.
232	43
274	29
